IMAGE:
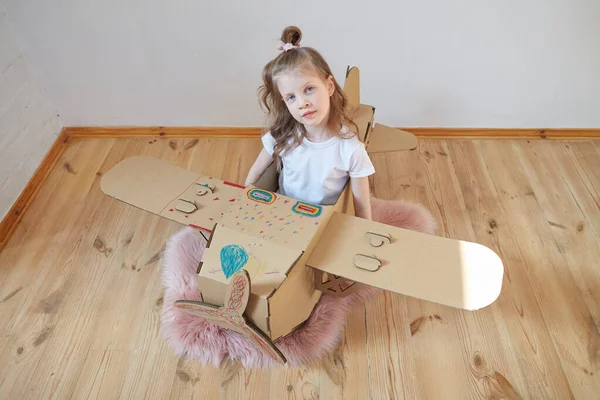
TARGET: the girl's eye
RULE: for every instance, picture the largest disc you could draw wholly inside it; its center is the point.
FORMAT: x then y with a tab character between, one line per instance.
309	89
289	98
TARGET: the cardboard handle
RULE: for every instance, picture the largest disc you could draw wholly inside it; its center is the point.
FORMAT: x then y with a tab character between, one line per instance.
185	206
205	188
369	263
378	239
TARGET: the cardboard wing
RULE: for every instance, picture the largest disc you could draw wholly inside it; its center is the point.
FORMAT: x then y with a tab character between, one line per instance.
384	139
170	191
452	272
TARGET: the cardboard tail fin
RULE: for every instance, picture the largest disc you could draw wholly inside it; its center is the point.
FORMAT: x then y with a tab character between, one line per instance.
379	138
352	88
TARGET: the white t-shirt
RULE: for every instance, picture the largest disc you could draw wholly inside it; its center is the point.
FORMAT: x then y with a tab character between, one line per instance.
317	172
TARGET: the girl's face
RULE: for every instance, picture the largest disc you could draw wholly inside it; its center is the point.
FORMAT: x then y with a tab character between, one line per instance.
306	96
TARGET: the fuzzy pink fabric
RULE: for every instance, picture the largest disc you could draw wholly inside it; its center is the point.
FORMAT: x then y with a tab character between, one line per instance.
199	340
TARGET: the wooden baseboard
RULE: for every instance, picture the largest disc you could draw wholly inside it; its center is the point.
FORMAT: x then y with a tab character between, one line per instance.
15	214
164	131
253	132
508	133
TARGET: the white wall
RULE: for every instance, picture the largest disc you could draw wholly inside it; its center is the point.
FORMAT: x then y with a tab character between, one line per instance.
28	123
461	63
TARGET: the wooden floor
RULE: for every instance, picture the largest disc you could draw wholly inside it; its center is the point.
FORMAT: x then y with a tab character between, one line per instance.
80	290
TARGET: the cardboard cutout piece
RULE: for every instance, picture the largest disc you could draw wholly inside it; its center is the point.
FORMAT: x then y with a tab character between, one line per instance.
451	272
379	138
231	315
170	191
352	88
385	139
265	261
292	250
334	285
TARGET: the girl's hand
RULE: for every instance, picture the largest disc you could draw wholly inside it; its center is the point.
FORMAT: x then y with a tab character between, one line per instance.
362	199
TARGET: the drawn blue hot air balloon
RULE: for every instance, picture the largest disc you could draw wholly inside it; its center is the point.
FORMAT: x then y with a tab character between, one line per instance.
233	258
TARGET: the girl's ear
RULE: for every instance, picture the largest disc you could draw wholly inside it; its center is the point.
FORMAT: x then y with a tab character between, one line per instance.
330	86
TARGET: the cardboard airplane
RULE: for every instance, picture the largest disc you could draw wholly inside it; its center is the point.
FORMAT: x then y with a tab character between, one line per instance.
269	257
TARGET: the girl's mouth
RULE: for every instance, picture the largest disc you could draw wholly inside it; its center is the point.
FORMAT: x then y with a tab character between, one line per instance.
308	114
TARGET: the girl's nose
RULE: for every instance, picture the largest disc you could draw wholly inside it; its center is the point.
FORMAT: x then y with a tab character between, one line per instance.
304	103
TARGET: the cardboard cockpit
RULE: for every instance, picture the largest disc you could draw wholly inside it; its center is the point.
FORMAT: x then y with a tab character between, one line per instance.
291	251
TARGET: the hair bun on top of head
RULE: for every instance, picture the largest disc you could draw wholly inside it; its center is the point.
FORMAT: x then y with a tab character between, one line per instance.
290	38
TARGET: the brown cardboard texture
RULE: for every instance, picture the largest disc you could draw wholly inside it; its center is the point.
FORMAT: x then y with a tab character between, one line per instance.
231	314
170	191
292	251
451	272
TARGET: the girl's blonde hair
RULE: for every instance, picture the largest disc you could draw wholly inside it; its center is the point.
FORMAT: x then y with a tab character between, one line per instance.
281	124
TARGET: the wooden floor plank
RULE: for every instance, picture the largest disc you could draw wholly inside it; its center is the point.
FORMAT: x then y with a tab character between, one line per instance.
49	271
87	268
30	236
565	314
354	357
579	248
140	333
81	294
476	346
400	350
194	381
587	154
571	214
508	329
581	170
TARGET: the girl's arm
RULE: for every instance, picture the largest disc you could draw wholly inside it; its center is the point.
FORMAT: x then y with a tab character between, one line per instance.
362	200
260	165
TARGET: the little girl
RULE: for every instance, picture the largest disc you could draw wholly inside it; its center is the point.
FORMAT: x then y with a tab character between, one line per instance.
308	132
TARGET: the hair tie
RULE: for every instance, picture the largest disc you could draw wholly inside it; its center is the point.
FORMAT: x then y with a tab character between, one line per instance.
285	47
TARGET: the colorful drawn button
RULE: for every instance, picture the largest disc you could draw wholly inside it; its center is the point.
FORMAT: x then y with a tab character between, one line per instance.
261	196
309	210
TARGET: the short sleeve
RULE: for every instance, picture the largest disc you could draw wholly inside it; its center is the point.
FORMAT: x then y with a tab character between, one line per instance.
268	142
360	163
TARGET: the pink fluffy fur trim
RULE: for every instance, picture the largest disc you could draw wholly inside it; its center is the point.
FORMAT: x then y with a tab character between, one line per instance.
197	339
